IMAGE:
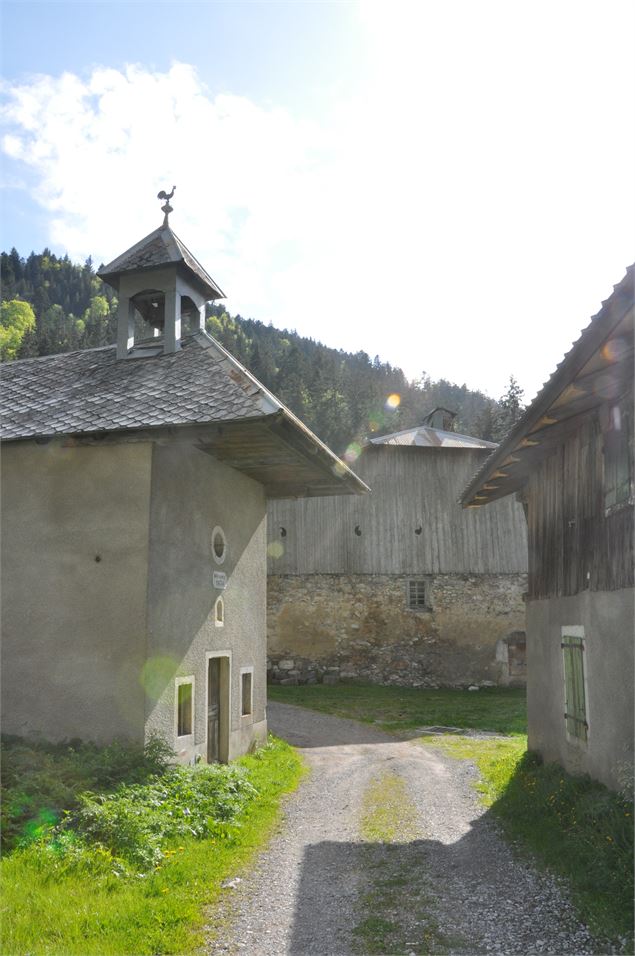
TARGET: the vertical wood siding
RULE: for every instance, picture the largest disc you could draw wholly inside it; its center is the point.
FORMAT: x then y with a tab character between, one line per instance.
573	544
410	487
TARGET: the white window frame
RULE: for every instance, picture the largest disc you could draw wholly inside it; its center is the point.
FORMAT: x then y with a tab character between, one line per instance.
250	715
219	602
178	682
577	630
218	530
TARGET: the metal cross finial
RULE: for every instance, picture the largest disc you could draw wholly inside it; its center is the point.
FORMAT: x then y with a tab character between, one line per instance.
167	209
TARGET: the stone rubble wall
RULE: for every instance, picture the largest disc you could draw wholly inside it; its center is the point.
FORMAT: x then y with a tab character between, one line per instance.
326	627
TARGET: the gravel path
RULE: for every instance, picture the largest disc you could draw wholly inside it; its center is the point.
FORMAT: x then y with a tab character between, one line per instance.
461	890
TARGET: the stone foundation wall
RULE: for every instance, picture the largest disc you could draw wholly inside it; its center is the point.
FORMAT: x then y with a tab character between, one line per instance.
323	627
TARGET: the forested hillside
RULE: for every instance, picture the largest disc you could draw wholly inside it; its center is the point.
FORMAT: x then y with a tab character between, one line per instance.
342	396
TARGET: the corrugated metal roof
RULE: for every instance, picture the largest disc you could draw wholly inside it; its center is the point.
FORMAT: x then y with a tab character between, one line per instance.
423	436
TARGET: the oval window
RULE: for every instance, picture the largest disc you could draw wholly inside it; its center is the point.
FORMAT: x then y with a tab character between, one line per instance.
219	545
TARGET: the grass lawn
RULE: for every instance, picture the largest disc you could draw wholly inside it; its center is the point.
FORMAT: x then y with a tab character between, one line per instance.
85	904
572	825
499	709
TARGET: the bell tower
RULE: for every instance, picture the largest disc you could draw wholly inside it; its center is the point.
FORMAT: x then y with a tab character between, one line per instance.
162	290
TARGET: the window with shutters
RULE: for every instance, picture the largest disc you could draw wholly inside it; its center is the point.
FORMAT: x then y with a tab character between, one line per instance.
575	704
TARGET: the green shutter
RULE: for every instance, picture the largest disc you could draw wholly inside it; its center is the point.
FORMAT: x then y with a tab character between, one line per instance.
575	706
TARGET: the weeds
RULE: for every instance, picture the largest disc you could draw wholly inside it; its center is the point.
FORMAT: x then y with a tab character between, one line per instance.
40	780
580	830
135	821
388	813
395	912
131	871
573	825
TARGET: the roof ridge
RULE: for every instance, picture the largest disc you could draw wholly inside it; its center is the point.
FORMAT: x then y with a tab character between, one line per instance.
440	431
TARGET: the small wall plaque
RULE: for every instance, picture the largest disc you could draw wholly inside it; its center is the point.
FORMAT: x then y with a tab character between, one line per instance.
220	580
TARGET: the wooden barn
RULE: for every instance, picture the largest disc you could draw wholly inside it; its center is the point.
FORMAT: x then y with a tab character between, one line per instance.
571	459
400	586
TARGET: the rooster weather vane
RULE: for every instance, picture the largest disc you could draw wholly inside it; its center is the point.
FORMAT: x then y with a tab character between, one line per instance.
167	209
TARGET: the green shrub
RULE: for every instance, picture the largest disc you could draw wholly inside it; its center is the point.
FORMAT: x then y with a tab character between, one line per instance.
42	780
134	821
62	895
67	855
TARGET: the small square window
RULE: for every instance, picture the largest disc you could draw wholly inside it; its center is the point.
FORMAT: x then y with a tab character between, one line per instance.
246	693
416	594
184	709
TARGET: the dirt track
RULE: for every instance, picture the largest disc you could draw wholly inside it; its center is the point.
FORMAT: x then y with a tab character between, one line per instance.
453	887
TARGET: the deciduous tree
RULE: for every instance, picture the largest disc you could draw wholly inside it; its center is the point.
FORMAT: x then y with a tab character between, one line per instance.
16	319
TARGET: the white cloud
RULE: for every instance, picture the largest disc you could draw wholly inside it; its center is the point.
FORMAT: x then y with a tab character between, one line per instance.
12	146
465	217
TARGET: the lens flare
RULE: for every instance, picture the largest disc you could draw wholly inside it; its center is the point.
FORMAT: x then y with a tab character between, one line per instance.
275	549
156	674
338	469
376	419
614	350
353	452
38	826
393	402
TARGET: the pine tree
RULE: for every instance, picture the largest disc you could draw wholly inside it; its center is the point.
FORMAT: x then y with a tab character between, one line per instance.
510	409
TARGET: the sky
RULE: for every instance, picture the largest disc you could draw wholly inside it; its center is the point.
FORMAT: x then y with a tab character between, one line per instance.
444	183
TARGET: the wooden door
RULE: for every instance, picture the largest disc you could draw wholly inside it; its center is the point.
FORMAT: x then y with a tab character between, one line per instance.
213	709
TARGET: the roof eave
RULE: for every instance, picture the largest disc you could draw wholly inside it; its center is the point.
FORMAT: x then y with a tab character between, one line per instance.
208	287
613	311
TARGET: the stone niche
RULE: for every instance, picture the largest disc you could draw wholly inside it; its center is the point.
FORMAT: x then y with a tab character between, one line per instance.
511	652
460	631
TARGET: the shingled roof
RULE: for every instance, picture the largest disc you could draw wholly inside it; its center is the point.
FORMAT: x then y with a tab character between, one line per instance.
160	248
200	391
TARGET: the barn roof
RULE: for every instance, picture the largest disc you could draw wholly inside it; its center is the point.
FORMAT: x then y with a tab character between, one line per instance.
425	437
598	368
199	393
160	248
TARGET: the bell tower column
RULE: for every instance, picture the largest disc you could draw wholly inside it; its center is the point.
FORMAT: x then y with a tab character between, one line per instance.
125	326
172	327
